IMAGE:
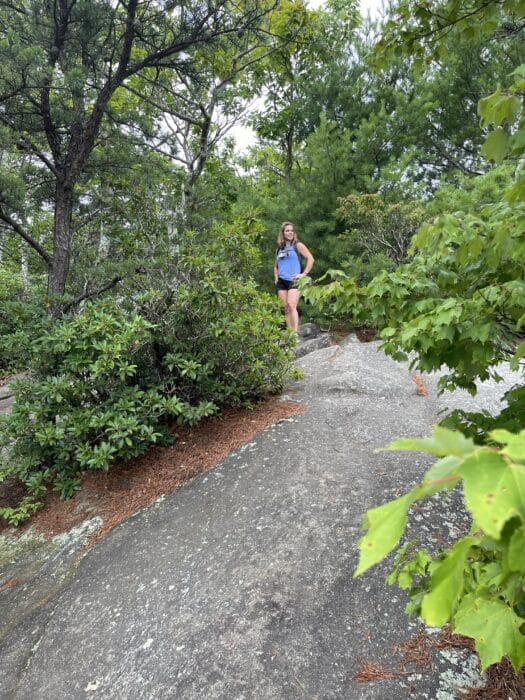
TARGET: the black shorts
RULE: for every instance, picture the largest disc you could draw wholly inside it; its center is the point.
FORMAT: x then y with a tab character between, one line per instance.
286	284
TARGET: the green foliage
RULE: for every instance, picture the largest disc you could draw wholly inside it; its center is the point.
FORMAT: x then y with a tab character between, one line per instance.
336	295
20	320
162	81
375	226
476	585
421	33
477	424
84	404
236	340
460	300
363	270
504	111
218	318
353	131
464	193
105	384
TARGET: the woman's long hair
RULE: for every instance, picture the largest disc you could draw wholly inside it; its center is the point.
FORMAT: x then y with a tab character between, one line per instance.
280	238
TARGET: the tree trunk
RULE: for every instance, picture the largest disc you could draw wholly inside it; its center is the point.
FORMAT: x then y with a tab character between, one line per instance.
56	283
24	266
288	153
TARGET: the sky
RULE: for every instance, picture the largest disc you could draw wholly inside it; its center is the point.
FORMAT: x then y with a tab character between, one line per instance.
371	6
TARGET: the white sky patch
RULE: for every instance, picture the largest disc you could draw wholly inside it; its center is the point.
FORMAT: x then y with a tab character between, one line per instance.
374	7
244	137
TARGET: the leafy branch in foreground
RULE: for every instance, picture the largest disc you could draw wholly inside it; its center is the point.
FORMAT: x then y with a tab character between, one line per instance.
459	302
478	584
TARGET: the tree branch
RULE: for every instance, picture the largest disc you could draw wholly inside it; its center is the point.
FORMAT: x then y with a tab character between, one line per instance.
91	295
448	22
164	108
83	140
25	144
27	237
454	162
15	8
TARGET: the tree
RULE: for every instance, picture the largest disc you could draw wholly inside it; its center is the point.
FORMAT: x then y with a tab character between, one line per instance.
377	227
333	126
64	64
290	78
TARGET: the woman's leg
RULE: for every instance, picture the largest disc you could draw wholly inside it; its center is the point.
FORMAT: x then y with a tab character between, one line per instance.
283	296
292	317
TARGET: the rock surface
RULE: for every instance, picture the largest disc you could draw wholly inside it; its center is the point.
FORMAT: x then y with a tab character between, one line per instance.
240	584
311	338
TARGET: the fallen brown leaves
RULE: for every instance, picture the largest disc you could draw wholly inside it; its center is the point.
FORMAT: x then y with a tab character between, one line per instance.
418	649
421	389
131	486
502	682
374	672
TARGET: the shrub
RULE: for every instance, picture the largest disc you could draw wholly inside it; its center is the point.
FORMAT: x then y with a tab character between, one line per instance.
216	337
219	340
84	405
377	227
19	322
105	384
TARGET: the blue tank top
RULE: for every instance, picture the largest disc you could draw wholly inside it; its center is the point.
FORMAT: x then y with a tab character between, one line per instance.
288	263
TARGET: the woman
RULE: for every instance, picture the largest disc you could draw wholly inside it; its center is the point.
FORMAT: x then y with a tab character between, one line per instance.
288	270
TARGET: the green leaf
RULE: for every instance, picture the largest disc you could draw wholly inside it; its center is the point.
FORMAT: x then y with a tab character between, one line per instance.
514	444
496	145
517	141
385	525
443	469
520	70
494	490
443	442
520	352
447	582
517	192
497	108
495	628
516	551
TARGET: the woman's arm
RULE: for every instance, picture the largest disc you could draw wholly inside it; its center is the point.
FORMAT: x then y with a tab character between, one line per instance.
303	250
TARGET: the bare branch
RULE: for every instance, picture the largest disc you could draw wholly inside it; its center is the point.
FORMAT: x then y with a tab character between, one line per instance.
91	295
163	108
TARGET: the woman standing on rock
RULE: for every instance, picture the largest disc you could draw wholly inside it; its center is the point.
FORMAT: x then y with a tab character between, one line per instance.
288	271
